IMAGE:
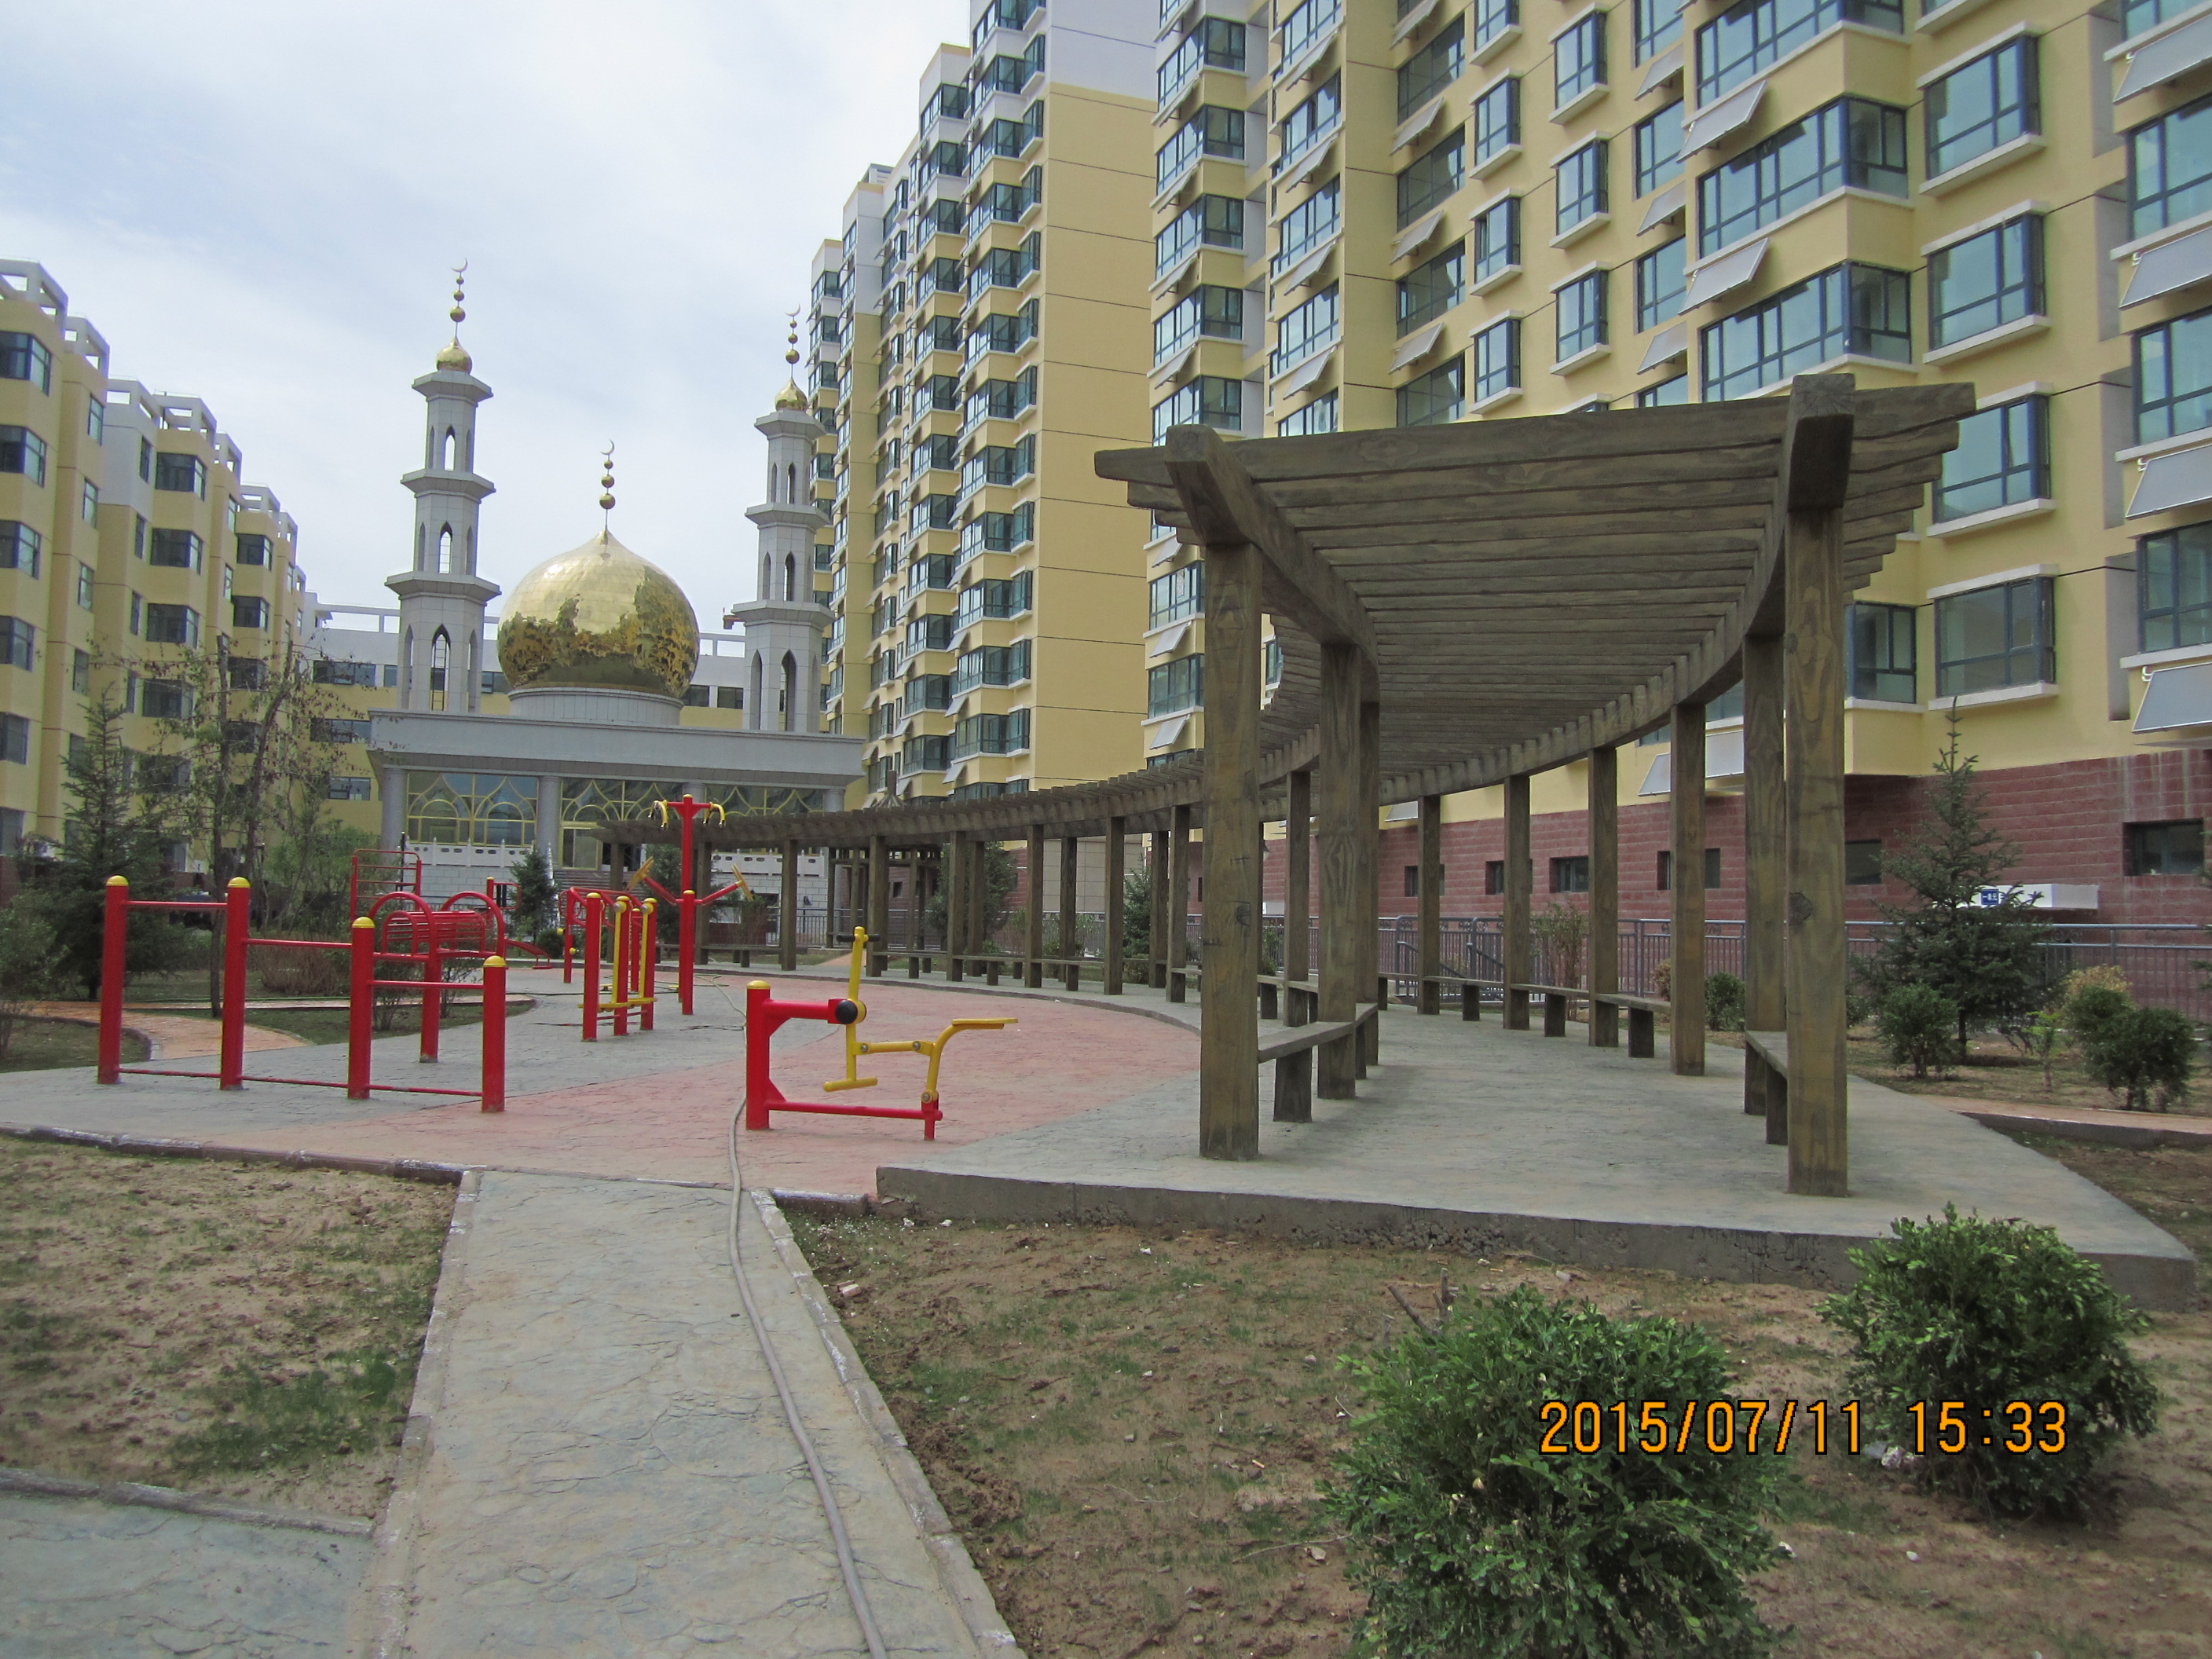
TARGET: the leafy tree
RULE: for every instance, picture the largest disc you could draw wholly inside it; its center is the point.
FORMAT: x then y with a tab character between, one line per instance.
305	876
1982	949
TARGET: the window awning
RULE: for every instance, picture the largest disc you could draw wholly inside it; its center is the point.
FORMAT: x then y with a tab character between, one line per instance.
1412	19
1724	275
1166	374
1715	121
2179	479
1311	163
1724	764
1169	735
1660	70
1170	642
2177	704
2170	265
1669	343
1305	374
1309	267
2167	59
1418	345
1416	234
1419	122
1665	206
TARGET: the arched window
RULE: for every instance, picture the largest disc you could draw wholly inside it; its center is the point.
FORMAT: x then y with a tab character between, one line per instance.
786	699
406	667
753	708
475	676
442	649
446	452
790	578
767	589
445	550
422	543
791	484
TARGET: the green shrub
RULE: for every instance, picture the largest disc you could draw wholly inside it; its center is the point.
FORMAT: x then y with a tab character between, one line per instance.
1985	1313
2139	1053
1858	1006
2089	1010
1472	1541
1918	1027
1723	1003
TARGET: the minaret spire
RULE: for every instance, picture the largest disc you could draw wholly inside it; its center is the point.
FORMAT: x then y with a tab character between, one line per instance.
607	488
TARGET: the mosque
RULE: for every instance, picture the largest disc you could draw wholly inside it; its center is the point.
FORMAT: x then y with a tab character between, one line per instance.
596	654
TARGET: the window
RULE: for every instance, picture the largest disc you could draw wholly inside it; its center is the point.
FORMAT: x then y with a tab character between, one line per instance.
1209	311
1665	395
1497	352
324	672
80	672
1862	864
2173	588
1178	595
695	696
1655	25
1493	876
2170	168
340	730
1319	416
1308	226
25	358
1210	221
1991	101
1581	180
1882	645
2174	378
15	746
1305	331
18	643
1497	120
247	612
1431	288
24	452
2003	458
925	755
492	684
991	734
1437	395
1308	24
1174	686
1212	43
1208	400
253	549
1747	37
1496	235
1570	875
1712	869
186	474
1433	67
1214	130
19	547
991	665
172	624
1578	60
1659	283
1848	310
2172	848
1851	143
1986	281
1659	148
1493	18
177	550
1580	308
348	789
163	700
1995	637
1271	663
1311	122
729	696
1433	177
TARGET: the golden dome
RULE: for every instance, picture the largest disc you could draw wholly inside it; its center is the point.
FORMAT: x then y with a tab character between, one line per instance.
600	616
454	357
790	397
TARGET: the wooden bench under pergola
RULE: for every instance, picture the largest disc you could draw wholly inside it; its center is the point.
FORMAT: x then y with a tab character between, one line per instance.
1461	607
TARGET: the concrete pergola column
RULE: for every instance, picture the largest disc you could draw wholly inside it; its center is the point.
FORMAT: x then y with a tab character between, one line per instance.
1686	1042
1345	909
1116	879
1428	885
1228	1065
1157	886
879	923
1368	1048
1178	902
1766	876
787	927
1033	918
956	905
1604	894
1071	941
1516	951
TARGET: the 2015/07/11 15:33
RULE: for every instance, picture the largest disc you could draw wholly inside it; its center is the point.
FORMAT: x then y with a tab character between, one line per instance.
1579	1427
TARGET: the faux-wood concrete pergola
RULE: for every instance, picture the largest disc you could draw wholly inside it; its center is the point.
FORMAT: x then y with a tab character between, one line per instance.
1462	606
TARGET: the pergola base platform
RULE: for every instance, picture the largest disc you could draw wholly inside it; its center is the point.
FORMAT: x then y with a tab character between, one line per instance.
1493	1141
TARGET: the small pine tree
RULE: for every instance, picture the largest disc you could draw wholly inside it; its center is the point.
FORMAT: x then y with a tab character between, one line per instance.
531	913
1137	914
1981	950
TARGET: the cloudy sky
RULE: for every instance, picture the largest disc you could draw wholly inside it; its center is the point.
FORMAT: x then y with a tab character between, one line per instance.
257	204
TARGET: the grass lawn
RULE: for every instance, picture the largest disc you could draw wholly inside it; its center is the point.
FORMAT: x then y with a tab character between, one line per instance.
41	1045
1129	1425
220	1328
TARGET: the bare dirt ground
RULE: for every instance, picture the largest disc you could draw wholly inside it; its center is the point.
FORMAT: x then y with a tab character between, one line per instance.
1994	1070
1129	1425
224	1328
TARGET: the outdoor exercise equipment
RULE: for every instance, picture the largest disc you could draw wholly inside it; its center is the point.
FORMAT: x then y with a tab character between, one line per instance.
636	950
456	931
764	1014
690	905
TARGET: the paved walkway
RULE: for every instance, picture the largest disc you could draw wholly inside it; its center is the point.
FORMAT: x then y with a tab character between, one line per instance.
170	1037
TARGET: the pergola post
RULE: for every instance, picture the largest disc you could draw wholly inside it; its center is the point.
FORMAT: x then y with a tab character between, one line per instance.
1297	894
979	902
917	909
786	919
879	923
1342	905
1816	460
1766	875
1428	888
1178	902
955	905
1229	1014
1518	967
1033	918
1686	1040
1116	880
1071	940
1604	894
1371	983
1156	971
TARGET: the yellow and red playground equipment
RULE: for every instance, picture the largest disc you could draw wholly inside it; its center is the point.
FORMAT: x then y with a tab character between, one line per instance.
765	1014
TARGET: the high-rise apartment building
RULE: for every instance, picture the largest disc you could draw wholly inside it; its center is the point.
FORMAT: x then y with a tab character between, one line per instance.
977	337
127	532
1377	213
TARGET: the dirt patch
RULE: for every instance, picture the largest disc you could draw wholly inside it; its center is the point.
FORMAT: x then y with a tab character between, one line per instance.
1129	1426
1994	1070
225	1328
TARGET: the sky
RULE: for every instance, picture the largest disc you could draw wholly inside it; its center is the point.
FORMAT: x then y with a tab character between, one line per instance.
258	204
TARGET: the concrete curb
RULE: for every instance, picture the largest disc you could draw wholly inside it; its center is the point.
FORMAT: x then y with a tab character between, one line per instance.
31	1483
2133	1129
399	1168
955	1568
383	1602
